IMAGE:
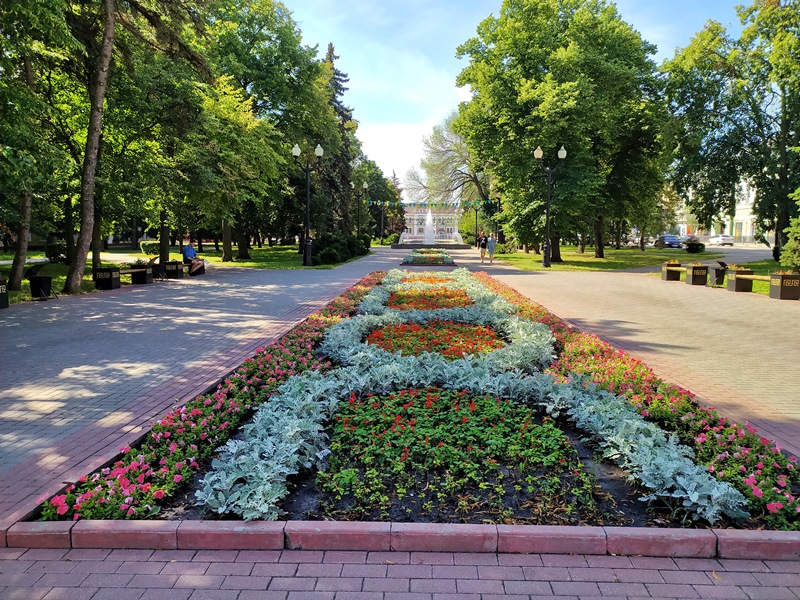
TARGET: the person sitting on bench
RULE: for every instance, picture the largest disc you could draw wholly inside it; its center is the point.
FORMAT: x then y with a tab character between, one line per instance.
190	258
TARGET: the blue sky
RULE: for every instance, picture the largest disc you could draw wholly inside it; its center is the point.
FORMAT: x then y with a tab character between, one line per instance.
400	57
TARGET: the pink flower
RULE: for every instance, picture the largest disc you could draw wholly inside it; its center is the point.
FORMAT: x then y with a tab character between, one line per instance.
158	494
774	507
177	478
757	492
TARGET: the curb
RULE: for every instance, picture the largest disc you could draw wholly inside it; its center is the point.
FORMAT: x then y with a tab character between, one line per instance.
408	537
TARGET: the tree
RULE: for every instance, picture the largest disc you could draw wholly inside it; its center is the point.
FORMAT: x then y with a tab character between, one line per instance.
561	72
32	34
736	103
450	170
158	22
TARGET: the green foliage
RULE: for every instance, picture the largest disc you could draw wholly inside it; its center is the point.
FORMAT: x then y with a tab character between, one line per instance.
550	73
150	247
695	247
56	252
392	238
507	248
448	456
790	255
731	100
332	248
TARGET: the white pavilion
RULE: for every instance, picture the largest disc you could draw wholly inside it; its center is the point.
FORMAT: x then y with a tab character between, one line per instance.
431	223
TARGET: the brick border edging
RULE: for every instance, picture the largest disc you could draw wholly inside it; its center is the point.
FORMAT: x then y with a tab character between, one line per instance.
414	537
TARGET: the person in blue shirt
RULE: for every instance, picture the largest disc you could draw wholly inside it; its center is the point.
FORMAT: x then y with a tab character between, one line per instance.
190	258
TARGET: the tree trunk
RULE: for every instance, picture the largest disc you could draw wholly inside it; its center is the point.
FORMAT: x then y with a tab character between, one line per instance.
555	248
163	237
134	233
598	238
69	230
582	243
199	239
21	254
227	246
25	207
97	93
243	243
97	241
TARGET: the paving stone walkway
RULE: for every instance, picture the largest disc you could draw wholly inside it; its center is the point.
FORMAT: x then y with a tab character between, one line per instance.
80	377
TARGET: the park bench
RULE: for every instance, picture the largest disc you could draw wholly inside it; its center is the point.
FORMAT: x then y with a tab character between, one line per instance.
695	274
743	282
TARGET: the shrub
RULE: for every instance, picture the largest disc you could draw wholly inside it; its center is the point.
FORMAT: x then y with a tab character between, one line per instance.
468	238
327	256
507	248
150	247
392	238
790	254
695	247
56	252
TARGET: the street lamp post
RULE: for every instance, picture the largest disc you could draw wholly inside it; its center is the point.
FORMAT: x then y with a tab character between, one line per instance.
307	168
550	171
358	196
383	214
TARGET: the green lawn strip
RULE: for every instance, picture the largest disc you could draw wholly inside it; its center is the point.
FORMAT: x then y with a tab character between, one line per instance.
31	254
626	258
447	456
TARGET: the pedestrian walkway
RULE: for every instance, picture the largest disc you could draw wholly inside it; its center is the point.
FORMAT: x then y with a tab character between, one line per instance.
82	376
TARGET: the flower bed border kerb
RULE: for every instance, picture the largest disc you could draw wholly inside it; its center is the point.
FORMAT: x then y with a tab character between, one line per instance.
414	537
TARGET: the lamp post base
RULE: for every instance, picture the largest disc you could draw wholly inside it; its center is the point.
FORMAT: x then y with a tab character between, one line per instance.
307	253
546	256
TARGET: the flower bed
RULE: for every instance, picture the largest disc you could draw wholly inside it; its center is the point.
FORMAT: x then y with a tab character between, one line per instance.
428	299
452	340
428	256
287	434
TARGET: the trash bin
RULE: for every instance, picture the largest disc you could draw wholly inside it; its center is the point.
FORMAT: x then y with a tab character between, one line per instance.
142	277
41	286
173	269
106	278
3	295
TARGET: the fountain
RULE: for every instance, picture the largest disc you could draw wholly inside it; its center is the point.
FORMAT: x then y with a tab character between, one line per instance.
430	233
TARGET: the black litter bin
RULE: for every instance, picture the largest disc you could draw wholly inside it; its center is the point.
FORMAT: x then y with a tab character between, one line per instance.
173	270
3	295
41	286
106	279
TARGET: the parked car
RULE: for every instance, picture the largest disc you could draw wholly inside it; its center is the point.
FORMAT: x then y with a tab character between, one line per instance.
689	238
668	241
720	240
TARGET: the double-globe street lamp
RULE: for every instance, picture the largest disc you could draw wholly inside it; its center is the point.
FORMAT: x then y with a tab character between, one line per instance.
307	168
550	171
358	196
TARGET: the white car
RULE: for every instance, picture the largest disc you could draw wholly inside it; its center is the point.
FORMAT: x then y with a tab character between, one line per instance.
720	240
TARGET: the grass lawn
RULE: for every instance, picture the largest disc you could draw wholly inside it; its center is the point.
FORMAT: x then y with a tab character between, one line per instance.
276	257
625	258
31	254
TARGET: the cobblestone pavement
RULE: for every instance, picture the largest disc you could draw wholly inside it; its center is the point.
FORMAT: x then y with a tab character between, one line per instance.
80	377
307	575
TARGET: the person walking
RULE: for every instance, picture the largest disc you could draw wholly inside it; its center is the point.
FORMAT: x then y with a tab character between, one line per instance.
490	246
482	243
